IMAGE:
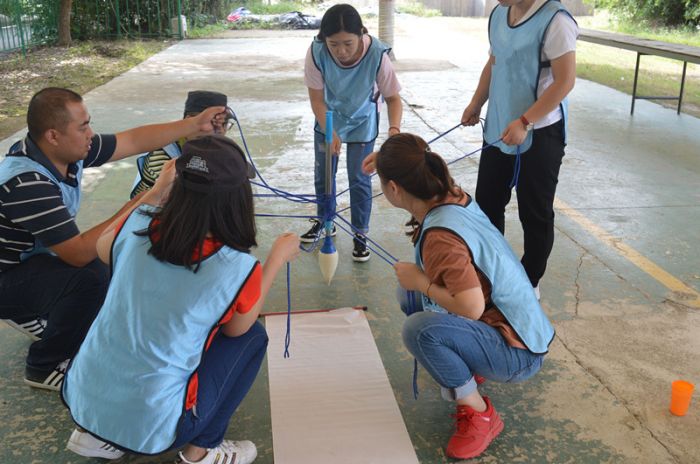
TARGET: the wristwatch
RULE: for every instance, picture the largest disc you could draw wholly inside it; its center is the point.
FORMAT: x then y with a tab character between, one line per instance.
528	125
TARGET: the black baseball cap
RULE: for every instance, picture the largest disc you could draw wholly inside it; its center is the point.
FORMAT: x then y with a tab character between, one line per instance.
213	163
199	100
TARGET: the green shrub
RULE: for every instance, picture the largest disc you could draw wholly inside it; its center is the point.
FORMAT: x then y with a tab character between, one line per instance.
671	13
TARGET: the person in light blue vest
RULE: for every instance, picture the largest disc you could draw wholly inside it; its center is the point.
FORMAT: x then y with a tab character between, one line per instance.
150	164
530	71
474	310
347	71
176	345
51	282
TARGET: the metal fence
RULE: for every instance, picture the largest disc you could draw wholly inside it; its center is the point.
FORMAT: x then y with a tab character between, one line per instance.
28	23
110	19
23	26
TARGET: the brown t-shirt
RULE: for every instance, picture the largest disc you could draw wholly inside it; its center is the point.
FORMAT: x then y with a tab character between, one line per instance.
449	264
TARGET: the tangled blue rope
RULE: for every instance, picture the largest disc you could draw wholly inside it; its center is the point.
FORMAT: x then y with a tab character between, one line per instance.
330	214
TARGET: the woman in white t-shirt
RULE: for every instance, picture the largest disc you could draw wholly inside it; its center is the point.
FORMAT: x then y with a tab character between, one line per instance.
347	71
530	71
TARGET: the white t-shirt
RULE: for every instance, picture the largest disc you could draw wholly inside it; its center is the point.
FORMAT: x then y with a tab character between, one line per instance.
559	40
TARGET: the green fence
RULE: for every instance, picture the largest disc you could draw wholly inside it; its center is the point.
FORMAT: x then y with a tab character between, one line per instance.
116	19
28	23
24	25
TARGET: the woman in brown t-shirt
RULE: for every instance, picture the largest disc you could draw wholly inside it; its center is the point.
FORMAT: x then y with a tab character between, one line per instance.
461	332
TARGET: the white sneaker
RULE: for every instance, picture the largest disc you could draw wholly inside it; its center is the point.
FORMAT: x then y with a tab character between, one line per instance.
84	444
228	452
537	291
52	380
33	329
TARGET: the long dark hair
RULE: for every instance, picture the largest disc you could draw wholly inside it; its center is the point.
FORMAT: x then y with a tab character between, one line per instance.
407	160
179	228
341	18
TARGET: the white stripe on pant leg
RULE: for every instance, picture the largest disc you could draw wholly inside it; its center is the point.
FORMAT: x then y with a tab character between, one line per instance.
331	401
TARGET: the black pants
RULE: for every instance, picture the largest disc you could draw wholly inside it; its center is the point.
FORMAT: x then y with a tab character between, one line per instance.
67	297
537	184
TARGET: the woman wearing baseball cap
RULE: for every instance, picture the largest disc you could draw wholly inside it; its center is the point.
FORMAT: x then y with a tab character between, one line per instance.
176	345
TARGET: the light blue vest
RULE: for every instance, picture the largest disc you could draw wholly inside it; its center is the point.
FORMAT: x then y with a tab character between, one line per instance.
349	92
16	163
511	290
129	380
516	74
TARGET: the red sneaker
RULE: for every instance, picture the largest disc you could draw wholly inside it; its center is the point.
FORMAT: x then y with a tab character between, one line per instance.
479	379
475	431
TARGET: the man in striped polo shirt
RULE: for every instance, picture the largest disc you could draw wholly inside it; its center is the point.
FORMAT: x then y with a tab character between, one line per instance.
50	277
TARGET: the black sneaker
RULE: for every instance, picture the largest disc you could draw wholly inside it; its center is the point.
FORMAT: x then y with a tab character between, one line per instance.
33	329
315	232
360	253
52	380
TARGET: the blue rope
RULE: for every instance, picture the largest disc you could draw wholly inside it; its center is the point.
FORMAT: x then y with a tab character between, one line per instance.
350	233
283	194
415	379
444	133
288	336
355	230
286	216
431	141
272	195
448	163
287	195
516	169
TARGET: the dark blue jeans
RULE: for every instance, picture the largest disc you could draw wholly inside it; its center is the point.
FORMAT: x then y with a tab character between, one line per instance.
360	184
226	373
68	297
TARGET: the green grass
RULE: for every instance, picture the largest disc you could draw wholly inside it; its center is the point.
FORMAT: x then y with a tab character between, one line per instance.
258	7
417	9
208	31
614	67
685	36
81	67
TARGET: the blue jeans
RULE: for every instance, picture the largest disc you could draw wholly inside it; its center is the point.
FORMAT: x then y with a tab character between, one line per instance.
225	375
453	348
360	183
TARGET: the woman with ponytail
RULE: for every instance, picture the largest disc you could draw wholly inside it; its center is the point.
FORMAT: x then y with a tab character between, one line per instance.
477	315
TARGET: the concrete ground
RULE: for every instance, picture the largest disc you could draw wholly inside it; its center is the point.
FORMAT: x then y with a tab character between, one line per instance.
622	286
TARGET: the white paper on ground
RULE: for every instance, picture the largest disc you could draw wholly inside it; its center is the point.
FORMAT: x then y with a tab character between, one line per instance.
331	401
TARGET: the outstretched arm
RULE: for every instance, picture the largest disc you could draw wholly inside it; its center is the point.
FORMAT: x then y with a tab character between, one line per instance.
153	136
470	116
285	249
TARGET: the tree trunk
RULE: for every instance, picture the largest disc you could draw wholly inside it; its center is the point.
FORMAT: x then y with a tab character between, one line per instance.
386	23
64	38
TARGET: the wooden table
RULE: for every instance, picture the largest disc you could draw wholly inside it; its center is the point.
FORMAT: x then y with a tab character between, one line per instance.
685	53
